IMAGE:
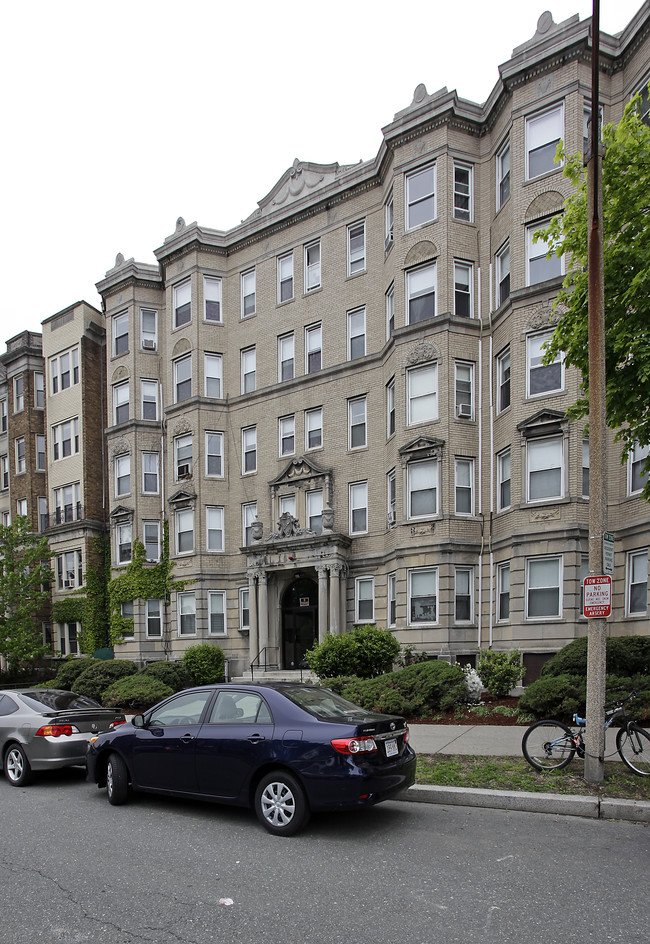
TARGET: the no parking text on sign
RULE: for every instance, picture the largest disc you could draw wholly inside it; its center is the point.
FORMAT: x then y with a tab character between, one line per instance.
598	597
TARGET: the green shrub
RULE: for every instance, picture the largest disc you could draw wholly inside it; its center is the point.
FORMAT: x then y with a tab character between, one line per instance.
555	696
94	680
173	674
136	692
416	690
205	663
500	671
626	656
339	683
365	652
70	670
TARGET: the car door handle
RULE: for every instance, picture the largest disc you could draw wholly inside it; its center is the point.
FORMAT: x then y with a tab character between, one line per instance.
256	738
187	738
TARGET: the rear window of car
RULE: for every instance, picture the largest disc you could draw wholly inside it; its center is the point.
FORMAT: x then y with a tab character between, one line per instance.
56	700
326	705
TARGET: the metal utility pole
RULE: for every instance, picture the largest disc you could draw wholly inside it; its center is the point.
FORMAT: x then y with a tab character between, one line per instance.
597	633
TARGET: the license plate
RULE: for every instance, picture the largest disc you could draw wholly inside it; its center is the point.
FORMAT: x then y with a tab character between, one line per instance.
391	748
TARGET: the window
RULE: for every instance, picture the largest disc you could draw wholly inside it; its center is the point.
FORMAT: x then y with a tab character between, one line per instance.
217	612
358	504
148	329
543	134
463	192
69	570
122	475
423	595
249	449
183	456
151	540
120	403
392	599
65	439
637	476
464	387
214	528
154	619
390	408
538	267
43	517
185	531
391	499
285	278
422	394
120	335
248	289
464	486
463	594
186	614
68	639
287	435
313	348
211	299
463	289
126	611
503	480
182	378
124	543
3	416
212	375
586	130
149	399
390	312
287	505
39	390
314	510
182	303
545	468
421	197
312	266
637	583
503	592
356	333
364	600
503	174
21	463
503	380
585	468
64	370
150	473
249	515
67	503
356	247
248	369
21	507
40	452
285	357
423	488
389	222
314	428
19	395
357	433
542	378
421	293
543	582
4	471
214	454
244	608
502	262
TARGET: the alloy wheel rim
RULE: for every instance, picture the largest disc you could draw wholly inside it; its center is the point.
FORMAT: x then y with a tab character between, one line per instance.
15	765
278	804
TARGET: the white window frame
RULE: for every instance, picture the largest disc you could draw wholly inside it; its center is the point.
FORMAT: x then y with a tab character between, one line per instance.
537	251
248	292
391	417
503	378
464	469
460	395
147	460
213	374
391	613
4	416
633	559
121	402
215	523
21	507
285	278
358	504
390	311
69	569
186	607
67	497
432	573
530	563
585	468
182	298
64	370
503	591
313	422
244	608
218	438
429	290
148	336
356	322
249	450
59	433
122	471
503	174
462	213
41	452
391	497
312	266
19	394
180	368
248	516
356	243
120	325
428	197
460	293
39	390
534	356
4	471
149	393
502	273
151	524
364	592
248	358
183	456
635	475
417	466
314	510
467	572
416	376
534	125
504	475
286	357
182	517
287	435
153	614
313	347
212	294
534	454
389	222
352	426
213	597
123	543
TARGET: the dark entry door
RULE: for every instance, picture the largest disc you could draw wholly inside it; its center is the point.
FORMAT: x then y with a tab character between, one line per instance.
299	621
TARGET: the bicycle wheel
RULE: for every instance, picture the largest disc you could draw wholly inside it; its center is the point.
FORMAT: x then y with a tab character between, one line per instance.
548	745
633	744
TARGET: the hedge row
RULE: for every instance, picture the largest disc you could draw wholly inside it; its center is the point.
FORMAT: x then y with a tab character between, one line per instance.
420	689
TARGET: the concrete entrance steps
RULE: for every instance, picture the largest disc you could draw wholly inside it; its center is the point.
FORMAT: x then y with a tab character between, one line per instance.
276	675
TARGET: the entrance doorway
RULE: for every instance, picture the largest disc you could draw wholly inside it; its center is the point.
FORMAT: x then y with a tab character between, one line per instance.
299	621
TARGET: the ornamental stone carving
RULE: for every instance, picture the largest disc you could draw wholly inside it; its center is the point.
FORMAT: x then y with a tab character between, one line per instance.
257	530
288	527
182	346
121	373
421	252
422	352
120	447
327	519
182	427
544	204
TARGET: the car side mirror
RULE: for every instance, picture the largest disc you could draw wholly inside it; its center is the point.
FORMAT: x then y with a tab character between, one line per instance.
138	721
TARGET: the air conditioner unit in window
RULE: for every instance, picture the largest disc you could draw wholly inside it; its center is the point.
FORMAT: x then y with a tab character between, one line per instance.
67	584
148	344
184	471
464	410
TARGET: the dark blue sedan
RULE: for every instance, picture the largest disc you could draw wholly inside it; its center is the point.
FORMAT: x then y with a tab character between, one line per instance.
285	749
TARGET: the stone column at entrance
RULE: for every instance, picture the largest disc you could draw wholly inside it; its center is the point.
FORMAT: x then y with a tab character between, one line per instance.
253	638
335	599
263	619
321	569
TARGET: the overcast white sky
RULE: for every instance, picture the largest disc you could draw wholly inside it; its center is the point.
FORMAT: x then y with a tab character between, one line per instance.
118	117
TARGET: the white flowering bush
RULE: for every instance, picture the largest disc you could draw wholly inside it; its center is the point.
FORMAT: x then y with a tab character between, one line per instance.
474	685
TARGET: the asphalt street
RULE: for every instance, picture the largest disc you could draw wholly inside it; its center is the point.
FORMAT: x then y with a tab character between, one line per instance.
75	869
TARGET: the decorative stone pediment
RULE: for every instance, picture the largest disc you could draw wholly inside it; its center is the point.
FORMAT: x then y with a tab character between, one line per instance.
120	448
120	373
121	513
422	352
543	317
301	179
421	252
299	470
424	447
181	428
182	346
183	498
544	204
542	423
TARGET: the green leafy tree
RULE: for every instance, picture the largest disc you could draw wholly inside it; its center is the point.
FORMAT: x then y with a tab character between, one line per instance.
626	241
24	571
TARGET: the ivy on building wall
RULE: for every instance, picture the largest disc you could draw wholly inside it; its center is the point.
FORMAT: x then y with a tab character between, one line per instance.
89	606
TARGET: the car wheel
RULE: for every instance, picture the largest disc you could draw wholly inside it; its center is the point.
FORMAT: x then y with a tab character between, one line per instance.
17	769
117	780
280	804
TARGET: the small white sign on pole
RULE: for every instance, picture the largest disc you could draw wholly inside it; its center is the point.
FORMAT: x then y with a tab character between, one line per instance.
608	553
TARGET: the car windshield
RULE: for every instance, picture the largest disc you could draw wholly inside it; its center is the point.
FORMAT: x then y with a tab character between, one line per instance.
55	700
326	705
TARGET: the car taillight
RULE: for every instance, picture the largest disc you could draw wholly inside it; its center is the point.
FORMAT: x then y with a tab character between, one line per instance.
114	724
57	730
354	745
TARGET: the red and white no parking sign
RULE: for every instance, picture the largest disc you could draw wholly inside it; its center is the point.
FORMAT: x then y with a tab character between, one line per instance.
598	597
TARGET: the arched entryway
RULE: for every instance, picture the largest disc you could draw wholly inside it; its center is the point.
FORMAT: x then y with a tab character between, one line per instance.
299	621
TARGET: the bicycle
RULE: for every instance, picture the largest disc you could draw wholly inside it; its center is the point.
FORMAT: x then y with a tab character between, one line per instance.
552	745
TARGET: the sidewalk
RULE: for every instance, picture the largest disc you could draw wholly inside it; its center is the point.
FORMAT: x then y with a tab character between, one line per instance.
505	740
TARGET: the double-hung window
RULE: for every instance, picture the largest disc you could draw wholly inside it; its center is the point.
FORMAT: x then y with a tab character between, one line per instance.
463	192
67	503
43	517
185	531
21	507
182	303
545	467
364	600
356	247
637	475
423	596
19	394
389	222
249	514
543	587
151	536
637	583
122	475
120	334
183	456
421	293
214	454
503	380
244	608
423	488
154	619
357	423
314	510
542	378
69	567
390	408
543	133
503	480
249	449
213	376
502	260
39	390
212	299
65	439
120	403
464	389
183	378
585	468
217	612
286	359
313	348
4	419
463	594
4	472
312	266
390	311
148	329
287	435
391	497
186	603
464	486
463	289
248	292
41	458
149	399
150	462
392	599
503	592
214	528
356	333
314	428
539	268
503	174
421	197
358	503
285	278
124	541
422	394
248	370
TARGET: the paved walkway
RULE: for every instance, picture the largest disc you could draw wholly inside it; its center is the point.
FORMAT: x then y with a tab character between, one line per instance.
480	739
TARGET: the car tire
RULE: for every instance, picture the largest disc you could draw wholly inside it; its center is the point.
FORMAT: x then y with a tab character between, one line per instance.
17	768
280	804
117	780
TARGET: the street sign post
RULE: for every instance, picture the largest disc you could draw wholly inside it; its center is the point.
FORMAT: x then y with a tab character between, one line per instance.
598	596
608	553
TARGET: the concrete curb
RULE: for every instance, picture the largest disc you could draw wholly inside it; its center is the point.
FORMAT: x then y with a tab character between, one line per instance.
526	802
